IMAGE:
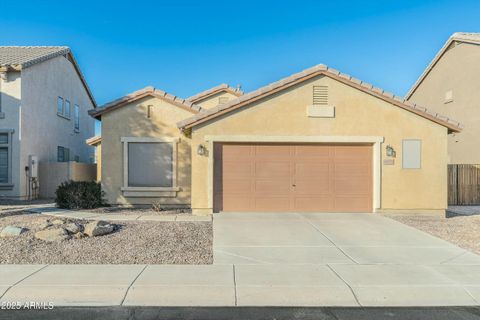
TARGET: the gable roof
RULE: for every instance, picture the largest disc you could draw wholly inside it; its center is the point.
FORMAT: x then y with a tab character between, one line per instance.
210	92
142	93
321	69
17	58
466	37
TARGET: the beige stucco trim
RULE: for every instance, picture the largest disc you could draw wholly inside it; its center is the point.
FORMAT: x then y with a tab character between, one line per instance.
149	191
375	140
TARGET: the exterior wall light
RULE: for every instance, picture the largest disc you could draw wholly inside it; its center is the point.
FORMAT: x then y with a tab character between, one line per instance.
390	151
201	150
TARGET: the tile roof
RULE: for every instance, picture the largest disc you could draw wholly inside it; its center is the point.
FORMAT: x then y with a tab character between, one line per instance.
147	91
207	93
321	69
22	57
16	58
467	37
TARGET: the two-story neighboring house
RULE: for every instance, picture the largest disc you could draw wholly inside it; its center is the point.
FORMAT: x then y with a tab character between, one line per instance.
450	85
44	103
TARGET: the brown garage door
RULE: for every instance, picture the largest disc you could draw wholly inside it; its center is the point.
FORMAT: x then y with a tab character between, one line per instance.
298	178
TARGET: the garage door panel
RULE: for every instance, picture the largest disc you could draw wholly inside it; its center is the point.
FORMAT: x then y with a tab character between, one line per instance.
272	187
298	178
237	169
314	204
272	169
240	203
313	187
351	186
312	151
312	170
235	152
238	186
272	204
352	204
352	169
272	151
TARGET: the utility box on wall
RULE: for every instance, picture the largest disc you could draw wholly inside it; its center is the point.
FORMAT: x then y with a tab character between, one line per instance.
33	166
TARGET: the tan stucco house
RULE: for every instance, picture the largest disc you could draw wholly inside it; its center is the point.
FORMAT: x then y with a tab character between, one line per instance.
316	141
450	85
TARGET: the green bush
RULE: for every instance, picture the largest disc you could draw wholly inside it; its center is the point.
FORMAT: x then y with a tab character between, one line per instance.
79	195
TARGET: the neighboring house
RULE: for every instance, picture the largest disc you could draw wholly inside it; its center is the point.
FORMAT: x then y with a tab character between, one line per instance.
96	142
318	140
450	85
44	100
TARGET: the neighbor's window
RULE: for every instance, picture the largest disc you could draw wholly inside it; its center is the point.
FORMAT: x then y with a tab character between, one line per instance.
63	154
411	154
150	164
67	108
60	105
77	117
4	157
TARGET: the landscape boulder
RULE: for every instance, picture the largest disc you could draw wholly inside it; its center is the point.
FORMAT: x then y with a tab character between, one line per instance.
52	235
98	228
72	227
11	231
58	222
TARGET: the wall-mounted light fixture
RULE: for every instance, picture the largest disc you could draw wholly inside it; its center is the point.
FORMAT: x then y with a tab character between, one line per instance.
390	151
201	150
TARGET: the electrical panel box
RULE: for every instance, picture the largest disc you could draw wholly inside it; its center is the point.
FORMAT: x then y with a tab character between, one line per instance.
33	166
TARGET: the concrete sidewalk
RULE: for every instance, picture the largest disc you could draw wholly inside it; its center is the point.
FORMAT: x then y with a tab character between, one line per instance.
243	285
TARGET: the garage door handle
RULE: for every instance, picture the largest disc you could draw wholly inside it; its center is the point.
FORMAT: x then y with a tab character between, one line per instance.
294	185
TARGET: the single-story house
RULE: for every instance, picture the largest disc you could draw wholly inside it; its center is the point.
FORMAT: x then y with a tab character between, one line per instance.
316	141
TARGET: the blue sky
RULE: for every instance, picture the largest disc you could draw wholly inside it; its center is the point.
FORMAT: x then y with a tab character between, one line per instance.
188	46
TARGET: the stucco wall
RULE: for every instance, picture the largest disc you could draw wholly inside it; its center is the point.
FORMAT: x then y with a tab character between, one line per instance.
212	101
132	121
54	173
357	114
458	70
10	95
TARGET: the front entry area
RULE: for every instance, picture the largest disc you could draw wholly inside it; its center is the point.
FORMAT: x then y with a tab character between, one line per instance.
292	177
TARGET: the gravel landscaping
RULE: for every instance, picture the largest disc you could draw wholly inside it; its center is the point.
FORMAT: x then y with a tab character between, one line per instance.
137	211
463	231
132	242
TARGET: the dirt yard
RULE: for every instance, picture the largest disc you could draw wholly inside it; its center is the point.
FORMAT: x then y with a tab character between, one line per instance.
463	231
133	242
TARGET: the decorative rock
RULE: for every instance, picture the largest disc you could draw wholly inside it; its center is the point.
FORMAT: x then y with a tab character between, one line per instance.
11	231
72	227
44	226
98	228
58	222
52	235
79	235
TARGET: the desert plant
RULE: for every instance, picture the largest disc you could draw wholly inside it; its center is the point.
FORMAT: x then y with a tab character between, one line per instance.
157	206
79	195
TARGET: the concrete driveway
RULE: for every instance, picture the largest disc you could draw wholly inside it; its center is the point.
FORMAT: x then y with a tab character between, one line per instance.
341	259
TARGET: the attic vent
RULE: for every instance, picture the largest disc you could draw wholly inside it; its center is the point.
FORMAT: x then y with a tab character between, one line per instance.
320	95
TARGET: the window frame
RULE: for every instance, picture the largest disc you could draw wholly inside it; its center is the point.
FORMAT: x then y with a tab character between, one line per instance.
419	155
150	191
65	151
76	118
63	106
8	185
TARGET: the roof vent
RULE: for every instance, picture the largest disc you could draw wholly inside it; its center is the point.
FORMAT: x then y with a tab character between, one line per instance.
320	95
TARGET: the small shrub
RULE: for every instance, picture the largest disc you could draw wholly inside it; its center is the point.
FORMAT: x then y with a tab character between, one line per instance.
157	206
79	195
